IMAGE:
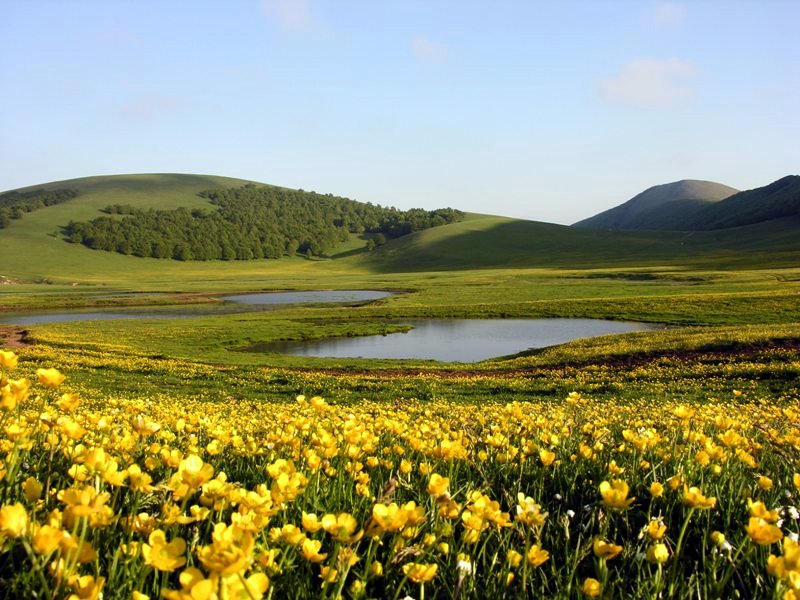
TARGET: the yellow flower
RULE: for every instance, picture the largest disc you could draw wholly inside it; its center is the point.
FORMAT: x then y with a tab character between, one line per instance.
536	556
68	402
8	360
437	485
657	553
161	555
87	587
529	512
46	539
718	538
32	489
194	586
389	517
695	498
656	489
513	558
342	527
765	483
311	551
194	472
51	378
230	551
310	522
420	572
603	549
328	575
656	530
546	457
235	587
615	494
13	520
763	532
759	509
14	392
784	566
591	587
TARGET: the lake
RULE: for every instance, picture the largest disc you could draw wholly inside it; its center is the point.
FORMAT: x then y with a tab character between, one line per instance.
308	297
458	340
252	299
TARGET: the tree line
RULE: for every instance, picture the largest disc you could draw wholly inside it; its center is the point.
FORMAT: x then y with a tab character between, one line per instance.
250	222
14	204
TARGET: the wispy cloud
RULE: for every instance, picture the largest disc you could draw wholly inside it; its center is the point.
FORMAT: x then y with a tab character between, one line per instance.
667	14
651	83
292	15
427	50
149	107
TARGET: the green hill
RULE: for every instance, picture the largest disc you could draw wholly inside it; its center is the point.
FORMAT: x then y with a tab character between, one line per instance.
701	205
778	200
661	207
483	241
33	248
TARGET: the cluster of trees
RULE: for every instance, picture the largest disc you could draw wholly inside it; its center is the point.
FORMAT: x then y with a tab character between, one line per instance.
250	222
14	204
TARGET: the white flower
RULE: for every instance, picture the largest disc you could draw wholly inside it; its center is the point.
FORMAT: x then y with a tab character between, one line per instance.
464	567
570	513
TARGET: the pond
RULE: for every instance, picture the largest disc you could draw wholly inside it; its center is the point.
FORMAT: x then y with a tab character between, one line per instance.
308	297
40	318
251	299
457	340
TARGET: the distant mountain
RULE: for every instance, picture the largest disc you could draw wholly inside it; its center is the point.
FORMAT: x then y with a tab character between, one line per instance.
662	207
778	200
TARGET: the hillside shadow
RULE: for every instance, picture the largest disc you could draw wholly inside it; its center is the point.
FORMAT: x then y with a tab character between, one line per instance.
529	244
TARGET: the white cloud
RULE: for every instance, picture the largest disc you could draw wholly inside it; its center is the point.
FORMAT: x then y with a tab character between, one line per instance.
426	50
292	15
667	14
651	83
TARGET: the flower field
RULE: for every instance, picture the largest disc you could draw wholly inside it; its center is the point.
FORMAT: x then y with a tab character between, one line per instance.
614	496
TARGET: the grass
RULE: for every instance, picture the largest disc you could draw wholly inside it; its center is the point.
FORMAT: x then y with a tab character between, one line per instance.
711	404
411	477
480	242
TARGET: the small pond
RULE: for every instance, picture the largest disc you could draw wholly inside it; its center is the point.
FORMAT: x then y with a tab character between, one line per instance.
308	297
458	340
250	299
40	318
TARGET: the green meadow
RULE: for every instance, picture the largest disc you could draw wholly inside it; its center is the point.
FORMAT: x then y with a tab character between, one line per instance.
482	267
603	467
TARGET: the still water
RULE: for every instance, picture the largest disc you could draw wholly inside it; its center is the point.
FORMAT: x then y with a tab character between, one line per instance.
308	297
254	299
458	340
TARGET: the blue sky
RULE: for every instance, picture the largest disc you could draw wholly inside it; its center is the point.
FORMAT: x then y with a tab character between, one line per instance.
550	111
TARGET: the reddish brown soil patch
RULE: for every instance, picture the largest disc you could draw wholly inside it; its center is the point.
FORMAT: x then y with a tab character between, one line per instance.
13	337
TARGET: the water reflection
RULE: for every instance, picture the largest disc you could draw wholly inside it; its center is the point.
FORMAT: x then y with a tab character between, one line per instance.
308	297
457	340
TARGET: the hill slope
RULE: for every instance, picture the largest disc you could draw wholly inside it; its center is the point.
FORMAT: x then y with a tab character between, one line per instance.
32	249
778	200
660	207
483	241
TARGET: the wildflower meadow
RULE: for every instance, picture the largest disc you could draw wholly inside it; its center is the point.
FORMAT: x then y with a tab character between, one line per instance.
119	496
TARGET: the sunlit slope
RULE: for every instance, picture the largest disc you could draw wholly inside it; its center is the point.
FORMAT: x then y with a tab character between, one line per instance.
661	207
488	242
32	248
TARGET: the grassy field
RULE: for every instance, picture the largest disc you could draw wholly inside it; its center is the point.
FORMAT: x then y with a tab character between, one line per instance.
172	464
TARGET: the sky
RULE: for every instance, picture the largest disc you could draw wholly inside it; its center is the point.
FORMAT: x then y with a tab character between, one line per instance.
551	111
